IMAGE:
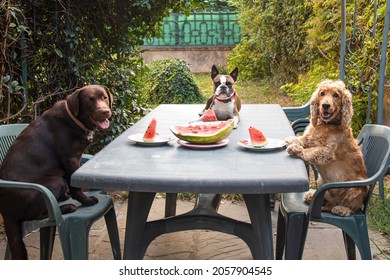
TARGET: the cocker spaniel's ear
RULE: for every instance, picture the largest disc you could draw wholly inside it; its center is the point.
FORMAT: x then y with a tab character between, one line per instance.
347	108
314	106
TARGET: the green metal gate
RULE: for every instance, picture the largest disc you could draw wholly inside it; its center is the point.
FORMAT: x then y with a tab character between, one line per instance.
198	29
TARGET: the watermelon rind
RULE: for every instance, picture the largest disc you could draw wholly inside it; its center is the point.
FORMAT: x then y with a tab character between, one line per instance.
259	144
224	130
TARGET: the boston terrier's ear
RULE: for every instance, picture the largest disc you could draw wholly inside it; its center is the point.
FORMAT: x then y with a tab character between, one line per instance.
214	71
234	74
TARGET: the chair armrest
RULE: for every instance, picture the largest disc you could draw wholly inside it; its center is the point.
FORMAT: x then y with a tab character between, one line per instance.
318	197
54	212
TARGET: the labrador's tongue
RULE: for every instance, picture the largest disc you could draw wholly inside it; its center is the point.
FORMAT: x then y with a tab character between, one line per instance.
103	124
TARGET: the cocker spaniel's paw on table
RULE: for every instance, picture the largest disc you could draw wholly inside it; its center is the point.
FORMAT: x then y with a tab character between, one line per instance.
295	150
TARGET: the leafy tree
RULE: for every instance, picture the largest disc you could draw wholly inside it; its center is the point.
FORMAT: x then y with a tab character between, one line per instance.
274	39
297	43
363	51
50	48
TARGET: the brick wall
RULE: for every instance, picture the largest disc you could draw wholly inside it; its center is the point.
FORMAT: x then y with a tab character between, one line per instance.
199	59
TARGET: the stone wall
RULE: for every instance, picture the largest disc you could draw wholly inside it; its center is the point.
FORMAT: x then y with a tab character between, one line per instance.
199	59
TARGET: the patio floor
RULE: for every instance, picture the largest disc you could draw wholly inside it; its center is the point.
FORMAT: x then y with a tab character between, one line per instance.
324	242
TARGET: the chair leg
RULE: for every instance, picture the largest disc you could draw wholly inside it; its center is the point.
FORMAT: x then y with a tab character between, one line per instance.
280	236
381	191
272	198
296	230
355	232
74	239
47	236
80	243
363	240
112	228
350	247
65	241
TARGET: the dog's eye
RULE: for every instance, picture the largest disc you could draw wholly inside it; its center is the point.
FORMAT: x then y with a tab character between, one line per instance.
322	93
336	95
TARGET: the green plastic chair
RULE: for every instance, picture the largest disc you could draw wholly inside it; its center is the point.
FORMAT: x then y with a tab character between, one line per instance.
294	214
298	112
300	125
73	228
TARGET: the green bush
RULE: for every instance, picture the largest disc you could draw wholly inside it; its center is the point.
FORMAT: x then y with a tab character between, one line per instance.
378	214
307	83
170	81
128	106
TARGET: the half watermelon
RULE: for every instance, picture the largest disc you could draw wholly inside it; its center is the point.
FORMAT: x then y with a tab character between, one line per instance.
150	132
257	137
203	132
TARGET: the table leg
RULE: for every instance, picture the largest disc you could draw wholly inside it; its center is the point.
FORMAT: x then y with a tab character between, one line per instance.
170	204
258	206
138	209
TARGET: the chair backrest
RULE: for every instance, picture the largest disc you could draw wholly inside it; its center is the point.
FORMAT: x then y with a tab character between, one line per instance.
8	134
375	145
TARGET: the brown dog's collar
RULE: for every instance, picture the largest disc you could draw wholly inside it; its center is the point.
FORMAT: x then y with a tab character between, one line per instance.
77	122
335	123
227	100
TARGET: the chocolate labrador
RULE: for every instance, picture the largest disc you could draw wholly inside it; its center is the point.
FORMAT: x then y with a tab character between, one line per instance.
47	152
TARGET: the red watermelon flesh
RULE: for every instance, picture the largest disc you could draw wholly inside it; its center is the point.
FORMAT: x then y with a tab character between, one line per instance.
257	137
203	132
209	116
150	132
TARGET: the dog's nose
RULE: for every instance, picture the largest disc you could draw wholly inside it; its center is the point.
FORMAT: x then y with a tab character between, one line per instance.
223	86
326	106
106	112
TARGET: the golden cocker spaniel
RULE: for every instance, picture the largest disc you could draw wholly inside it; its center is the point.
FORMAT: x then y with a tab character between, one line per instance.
329	145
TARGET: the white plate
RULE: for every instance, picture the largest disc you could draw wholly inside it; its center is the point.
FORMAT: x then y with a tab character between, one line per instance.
272	145
221	143
158	140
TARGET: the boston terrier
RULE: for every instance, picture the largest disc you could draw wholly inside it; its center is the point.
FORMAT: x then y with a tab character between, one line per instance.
225	102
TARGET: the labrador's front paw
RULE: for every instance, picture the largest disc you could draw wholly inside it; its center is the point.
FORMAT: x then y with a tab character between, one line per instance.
308	196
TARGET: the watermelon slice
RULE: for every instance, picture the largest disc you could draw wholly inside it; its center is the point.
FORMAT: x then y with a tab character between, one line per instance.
209	116
257	137
150	132
203	132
